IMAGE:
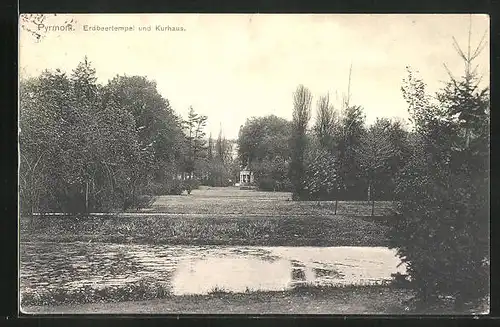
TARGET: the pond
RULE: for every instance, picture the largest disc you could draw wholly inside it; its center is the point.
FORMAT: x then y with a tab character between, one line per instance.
200	269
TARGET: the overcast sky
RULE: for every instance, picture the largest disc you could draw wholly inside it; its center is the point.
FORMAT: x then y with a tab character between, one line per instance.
232	67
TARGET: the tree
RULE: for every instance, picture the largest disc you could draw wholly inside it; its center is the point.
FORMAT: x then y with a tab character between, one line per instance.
326	123
123	166
195	135
271	174
322	180
263	138
298	142
158	128
219	161
400	139
374	153
42	102
442	235
263	145
210	148
348	139
56	138
84	131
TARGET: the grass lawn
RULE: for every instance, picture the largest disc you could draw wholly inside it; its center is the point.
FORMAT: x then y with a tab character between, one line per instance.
223	216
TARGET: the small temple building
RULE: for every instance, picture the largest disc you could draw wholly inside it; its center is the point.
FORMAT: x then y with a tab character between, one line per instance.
246	176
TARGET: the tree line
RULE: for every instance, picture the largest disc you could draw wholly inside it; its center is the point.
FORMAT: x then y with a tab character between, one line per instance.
87	147
338	158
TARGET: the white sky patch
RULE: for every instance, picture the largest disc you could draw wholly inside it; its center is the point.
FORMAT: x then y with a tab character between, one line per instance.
232	67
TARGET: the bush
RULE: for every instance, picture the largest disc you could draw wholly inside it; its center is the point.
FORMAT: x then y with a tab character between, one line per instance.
191	184
173	187
138	202
266	184
176	189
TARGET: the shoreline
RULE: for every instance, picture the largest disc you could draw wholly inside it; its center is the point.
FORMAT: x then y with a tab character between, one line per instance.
374	299
353	300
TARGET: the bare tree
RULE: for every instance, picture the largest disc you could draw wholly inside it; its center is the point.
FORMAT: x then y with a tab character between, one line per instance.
302	98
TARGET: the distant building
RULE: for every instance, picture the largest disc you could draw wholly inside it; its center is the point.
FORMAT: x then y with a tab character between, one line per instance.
246	176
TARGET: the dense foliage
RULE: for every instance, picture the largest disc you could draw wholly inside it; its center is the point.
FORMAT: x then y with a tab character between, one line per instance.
443	231
220	168
347	160
263	146
302	98
90	147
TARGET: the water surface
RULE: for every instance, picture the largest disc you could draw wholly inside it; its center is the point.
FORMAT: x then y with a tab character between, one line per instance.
200	269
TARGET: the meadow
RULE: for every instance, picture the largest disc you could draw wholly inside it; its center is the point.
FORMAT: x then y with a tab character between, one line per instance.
223	216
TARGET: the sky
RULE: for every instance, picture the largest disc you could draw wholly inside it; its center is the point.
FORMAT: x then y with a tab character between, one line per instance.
232	67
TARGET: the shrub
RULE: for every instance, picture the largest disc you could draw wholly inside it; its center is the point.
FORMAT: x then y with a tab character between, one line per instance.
176	189
191	184
266	184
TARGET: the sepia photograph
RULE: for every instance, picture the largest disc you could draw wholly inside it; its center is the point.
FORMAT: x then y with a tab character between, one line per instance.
257	164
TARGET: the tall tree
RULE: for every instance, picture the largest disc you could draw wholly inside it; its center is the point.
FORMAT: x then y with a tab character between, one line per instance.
374	153
298	143
322	180
159	130
348	139
84	130
195	135
43	103
326	123
263	138
263	144
210	148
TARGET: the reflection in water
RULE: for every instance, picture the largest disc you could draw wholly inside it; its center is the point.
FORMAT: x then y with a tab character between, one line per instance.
199	269
298	274
236	274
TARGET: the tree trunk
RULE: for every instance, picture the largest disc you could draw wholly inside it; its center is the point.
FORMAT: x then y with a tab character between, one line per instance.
32	195
133	204
369	192
373	207
87	196
336	204
32	207
467	137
